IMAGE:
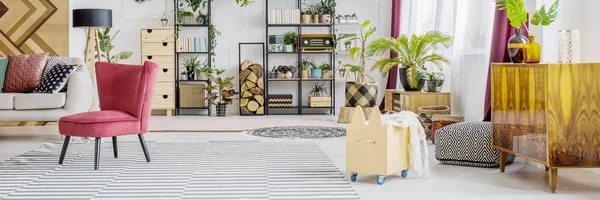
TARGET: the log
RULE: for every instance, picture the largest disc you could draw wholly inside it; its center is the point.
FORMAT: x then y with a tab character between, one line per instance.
256	68
252	77
244	87
244	65
243	102
253	106
250	85
244	74
260	99
256	90
246	94
260	83
346	113
244	111
261	110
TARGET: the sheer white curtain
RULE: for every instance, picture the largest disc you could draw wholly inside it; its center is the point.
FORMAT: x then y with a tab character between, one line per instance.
470	23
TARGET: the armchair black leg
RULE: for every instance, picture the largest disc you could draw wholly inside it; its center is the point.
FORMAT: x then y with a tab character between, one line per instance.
64	149
114	140
144	148
97	154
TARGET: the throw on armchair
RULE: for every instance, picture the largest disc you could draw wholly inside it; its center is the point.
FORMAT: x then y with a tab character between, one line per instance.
125	94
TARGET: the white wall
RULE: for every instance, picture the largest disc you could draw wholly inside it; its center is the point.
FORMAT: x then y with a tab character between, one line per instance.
236	25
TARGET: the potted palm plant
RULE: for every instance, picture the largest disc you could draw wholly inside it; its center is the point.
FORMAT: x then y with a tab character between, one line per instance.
413	53
360	92
219	91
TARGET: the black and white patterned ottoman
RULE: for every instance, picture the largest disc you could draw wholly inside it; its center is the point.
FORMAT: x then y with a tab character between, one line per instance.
467	144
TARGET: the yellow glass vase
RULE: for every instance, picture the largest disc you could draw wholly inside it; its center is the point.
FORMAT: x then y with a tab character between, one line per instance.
533	51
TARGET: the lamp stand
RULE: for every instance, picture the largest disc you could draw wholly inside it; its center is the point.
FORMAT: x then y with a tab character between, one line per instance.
92	48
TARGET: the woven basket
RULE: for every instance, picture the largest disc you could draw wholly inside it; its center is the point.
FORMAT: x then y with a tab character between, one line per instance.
191	96
425	114
440	121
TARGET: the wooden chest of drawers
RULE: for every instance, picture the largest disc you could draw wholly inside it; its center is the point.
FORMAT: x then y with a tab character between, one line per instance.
157	45
396	100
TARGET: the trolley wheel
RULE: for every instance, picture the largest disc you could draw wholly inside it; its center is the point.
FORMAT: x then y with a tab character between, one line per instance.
353	176
404	173
380	180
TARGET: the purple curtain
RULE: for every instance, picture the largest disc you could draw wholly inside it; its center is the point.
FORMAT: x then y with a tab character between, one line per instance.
393	73
502	32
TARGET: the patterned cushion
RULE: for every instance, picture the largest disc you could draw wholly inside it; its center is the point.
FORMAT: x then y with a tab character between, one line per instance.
24	72
55	79
467	144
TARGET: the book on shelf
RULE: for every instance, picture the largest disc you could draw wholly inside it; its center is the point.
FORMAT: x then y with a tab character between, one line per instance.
283	16
192	44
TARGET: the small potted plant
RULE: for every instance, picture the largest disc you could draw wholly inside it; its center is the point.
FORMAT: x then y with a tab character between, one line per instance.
190	64
218	93
304	65
202	18
327	73
183	76
317	98
315	10
348	18
203	71
290	40
187	17
316	71
327	9
354	18
274	73
340	19
306	16
347	45
434	81
341	69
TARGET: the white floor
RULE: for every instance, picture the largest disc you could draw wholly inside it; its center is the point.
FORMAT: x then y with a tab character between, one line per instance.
520	181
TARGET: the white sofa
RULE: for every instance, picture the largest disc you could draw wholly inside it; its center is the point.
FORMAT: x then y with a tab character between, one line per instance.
45	107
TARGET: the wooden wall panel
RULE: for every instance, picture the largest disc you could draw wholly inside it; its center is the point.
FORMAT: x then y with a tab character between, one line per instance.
34	26
574	115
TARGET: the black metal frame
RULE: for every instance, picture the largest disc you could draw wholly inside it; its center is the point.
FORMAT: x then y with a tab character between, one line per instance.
97	149
177	54
240	71
299	96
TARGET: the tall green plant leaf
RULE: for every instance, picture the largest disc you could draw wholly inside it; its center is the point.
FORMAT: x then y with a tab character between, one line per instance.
354	52
545	17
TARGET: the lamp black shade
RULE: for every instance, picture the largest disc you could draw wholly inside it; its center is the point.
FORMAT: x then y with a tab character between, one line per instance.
101	18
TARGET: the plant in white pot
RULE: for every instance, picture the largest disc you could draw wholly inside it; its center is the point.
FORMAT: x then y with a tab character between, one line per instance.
219	92
360	92
413	53
327	9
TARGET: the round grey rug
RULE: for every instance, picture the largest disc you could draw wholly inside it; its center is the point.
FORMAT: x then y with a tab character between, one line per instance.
303	132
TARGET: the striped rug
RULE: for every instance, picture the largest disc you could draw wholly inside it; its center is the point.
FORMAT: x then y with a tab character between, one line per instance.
179	170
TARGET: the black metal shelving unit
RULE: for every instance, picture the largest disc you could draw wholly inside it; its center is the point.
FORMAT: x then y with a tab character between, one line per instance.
178	54
239	71
300	107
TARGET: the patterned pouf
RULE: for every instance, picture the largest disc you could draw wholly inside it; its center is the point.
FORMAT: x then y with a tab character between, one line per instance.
467	144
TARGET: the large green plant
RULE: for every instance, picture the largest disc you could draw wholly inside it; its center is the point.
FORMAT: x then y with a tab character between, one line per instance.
412	53
517	14
106	46
221	85
365	32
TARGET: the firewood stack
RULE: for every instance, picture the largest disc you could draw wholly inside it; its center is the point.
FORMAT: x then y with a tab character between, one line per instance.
252	89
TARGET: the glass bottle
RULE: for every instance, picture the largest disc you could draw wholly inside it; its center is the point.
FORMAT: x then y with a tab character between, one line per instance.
516	46
533	51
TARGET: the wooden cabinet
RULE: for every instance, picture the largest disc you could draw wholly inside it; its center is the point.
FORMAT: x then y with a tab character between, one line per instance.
396	100
157	46
547	113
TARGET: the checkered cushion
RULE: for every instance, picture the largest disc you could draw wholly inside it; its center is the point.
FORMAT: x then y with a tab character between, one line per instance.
361	94
467	144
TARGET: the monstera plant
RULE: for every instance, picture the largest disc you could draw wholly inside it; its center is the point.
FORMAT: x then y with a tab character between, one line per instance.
413	53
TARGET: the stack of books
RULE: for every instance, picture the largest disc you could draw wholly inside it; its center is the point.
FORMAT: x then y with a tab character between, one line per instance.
284	16
192	44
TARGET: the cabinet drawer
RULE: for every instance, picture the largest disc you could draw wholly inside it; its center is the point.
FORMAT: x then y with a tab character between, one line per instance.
161	48
157	35
164	88
388	95
166	74
389	105
163	101
162	61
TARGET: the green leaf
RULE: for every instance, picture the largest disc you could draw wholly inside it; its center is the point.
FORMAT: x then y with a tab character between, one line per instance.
545	17
365	23
369	32
354	52
346	36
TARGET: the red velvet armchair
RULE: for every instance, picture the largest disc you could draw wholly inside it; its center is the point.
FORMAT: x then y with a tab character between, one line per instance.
125	93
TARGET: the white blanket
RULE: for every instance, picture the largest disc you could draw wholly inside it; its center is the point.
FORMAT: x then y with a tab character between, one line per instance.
406	119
